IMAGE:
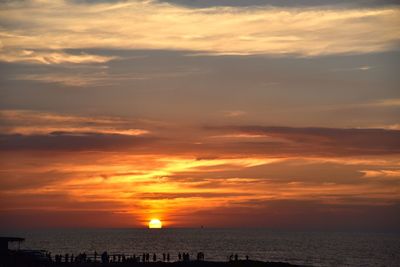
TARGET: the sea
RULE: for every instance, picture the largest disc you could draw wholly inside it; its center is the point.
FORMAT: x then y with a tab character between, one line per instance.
303	248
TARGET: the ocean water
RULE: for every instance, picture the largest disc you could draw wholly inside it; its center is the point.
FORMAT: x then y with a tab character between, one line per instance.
307	248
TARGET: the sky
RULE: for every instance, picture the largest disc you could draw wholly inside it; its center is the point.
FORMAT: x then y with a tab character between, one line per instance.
249	113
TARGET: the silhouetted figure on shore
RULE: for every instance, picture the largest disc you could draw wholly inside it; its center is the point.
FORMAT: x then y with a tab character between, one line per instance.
95	256
231	257
147	257
168	257
179	256
186	257
57	258
247	257
163	257
105	257
236	257
154	257
200	256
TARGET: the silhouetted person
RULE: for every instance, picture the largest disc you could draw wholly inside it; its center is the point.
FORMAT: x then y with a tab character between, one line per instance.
236	257
247	257
186	257
143	257
168	257
179	256
147	257
154	257
104	257
231	257
95	256
200	256
163	256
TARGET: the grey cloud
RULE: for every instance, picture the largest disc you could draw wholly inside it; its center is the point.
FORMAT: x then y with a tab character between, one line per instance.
283	3
73	142
320	141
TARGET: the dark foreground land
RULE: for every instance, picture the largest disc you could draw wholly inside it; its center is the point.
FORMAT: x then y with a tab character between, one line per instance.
239	263
36	258
39	258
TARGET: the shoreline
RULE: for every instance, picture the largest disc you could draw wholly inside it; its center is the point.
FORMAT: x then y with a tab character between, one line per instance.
195	263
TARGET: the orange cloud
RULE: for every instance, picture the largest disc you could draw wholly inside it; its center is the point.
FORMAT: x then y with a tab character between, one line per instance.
46	26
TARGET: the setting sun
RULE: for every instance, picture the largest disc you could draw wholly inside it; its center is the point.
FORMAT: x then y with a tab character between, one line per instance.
155	223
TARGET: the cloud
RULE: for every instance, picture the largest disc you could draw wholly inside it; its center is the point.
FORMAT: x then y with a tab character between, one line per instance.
101	75
27	218
76	80
73	142
234	113
315	141
393	102
32	130
381	173
360	68
283	3
51	57
28	122
59	25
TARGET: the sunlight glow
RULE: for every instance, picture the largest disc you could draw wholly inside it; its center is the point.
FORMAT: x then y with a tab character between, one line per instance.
155	223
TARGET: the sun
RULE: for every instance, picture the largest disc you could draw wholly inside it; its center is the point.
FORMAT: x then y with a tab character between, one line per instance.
155	223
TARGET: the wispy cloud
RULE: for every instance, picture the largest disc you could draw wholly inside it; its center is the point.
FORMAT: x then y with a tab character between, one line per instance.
360	68
393	102
34	25
313	141
50	57
234	113
100	76
382	173
29	130
26	122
